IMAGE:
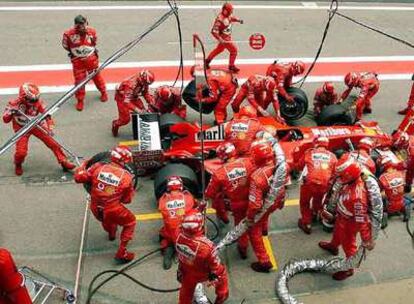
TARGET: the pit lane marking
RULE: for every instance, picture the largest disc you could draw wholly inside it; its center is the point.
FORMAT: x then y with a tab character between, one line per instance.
157	215
196	7
270	253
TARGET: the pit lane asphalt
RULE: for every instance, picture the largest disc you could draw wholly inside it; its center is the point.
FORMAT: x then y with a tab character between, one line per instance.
41	215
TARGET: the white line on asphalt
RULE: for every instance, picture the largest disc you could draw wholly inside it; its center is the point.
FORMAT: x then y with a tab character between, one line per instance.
196	7
309	4
111	86
171	63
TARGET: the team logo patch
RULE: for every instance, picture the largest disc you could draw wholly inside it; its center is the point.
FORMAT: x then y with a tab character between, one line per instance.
239	127
109	178
236	173
175	204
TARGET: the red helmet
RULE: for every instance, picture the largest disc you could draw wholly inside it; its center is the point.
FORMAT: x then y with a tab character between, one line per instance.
351	79
147	76
298	67
227	9
400	140
248	111
225	151
174	183
269	83
261	152
321	141
165	93
348	169
193	222
29	91
366	144
121	155
328	87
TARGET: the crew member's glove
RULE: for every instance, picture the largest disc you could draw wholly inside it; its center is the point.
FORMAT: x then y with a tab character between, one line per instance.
369	245
263	111
241	21
290	98
327	216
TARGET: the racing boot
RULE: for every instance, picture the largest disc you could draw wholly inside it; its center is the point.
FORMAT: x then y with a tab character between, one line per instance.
168	254
404	111
262	267
67	165
342	275
329	247
18	169
79	105
305	228
123	256
242	252
234	69
104	96
115	129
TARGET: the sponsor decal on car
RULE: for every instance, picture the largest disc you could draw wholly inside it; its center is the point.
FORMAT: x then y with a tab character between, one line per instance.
328	132
215	133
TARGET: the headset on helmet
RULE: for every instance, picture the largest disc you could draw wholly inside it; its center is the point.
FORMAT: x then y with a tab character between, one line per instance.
174	183
348	169
165	93
225	151
227	9
298	67
261	151
193	222
328	87
366	144
29	91
248	111
121	154
400	140
351	79
147	76
321	141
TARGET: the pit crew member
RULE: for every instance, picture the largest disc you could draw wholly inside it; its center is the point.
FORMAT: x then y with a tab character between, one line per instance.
410	102
324	96
167	99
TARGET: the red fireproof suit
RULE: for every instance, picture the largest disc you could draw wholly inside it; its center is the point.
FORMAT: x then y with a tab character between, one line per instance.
172	105
319	164
259	186
282	74
407	156
410	102
254	89
84	57
232	181
392	183
173	206
111	188
242	132
31	110
222	32
198	260
127	97
323	99
369	86
222	86
352	217
362	157
12	289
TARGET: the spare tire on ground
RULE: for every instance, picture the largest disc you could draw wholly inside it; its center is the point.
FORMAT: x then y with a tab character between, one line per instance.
185	172
335	115
189	96
105	157
297	109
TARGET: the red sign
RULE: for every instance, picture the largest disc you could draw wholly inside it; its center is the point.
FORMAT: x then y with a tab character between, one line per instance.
257	41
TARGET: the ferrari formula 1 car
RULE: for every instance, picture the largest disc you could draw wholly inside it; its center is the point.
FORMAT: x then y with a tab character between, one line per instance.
168	145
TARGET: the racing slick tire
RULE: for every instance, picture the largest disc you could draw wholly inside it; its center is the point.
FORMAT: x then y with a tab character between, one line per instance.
298	109
189	96
335	115
105	157
166	121
187	174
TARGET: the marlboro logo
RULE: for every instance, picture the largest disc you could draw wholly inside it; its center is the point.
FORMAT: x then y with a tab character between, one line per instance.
215	133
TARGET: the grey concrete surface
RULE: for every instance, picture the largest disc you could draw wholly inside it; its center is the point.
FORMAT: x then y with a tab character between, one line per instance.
41	215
